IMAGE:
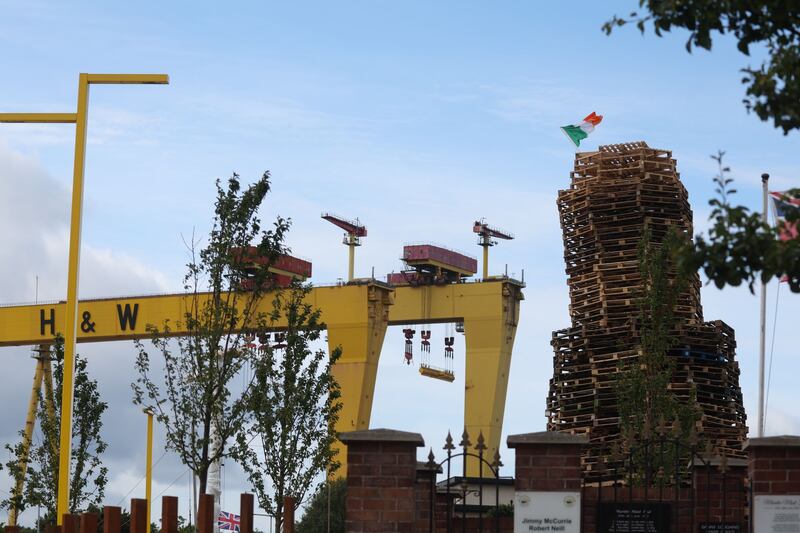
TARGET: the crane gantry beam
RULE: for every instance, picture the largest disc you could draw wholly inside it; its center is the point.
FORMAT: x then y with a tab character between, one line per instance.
356	316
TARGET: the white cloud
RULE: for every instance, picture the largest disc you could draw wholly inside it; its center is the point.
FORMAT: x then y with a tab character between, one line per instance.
780	422
34	231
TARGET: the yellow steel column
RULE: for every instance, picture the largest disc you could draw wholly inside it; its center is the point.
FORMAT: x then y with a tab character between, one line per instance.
148	486
489	342
70	328
485	261
30	421
355	372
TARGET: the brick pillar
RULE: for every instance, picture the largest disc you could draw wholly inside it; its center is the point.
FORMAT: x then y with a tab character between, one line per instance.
720	491
381	478
774	470
549	461
774	464
424	492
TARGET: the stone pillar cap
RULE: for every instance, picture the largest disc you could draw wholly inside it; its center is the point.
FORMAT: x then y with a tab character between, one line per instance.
382	435
546	437
716	460
788	441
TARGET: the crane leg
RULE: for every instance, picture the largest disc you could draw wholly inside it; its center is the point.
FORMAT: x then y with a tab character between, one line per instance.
49	402
30	420
360	341
489	341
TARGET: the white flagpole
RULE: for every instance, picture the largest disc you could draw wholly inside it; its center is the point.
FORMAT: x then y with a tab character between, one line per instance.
763	337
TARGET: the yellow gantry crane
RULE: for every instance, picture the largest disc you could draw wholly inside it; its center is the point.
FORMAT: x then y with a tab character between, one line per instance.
80	120
357	316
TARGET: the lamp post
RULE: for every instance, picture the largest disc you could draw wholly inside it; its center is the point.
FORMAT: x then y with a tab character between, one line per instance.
148	484
78	118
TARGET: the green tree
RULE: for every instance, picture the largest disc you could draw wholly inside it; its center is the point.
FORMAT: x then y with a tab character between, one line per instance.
295	405
645	401
740	247
773	88
195	398
327	504
89	476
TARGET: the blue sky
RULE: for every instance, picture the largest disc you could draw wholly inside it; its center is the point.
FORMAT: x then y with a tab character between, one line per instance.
417	117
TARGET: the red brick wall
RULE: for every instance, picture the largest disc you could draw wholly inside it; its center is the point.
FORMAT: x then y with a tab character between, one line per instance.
774	469
548	467
380	487
386	492
706	504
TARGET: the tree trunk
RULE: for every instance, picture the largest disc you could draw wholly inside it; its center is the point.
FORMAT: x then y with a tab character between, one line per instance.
278	513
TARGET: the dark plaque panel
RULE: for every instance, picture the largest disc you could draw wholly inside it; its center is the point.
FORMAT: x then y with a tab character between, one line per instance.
633	517
729	527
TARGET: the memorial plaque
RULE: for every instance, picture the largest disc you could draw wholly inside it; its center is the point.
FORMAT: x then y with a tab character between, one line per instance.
551	512
728	527
777	514
633	517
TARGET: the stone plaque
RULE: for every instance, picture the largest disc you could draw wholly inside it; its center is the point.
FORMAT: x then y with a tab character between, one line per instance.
777	514
633	517
728	527
553	512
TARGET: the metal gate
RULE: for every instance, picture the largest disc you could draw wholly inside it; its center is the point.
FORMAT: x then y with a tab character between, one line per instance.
486	518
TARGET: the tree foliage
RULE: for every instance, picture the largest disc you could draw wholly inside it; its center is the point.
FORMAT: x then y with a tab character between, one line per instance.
645	402
195	399
89	477
327	503
773	88
295	405
740	247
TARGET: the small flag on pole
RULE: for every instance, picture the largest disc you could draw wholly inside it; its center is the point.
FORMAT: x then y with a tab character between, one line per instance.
578	132
782	205
228	521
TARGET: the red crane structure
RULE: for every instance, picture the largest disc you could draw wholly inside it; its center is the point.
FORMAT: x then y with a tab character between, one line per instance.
486	238
353	231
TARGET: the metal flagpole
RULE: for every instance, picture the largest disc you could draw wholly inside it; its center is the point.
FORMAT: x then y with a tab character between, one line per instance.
762	332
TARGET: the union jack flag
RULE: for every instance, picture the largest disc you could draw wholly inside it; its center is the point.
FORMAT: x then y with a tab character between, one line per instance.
782	204
228	521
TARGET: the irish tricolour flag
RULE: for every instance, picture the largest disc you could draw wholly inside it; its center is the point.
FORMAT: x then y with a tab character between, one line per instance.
578	132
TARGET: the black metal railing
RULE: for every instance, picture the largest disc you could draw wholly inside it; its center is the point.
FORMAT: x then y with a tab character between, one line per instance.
467	453
640	477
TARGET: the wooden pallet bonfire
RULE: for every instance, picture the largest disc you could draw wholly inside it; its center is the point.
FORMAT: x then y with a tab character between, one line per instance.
614	193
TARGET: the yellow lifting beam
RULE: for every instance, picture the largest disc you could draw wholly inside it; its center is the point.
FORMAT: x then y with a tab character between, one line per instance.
356	316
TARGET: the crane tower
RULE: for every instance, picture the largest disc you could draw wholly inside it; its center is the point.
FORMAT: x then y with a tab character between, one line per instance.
487	236
353	231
